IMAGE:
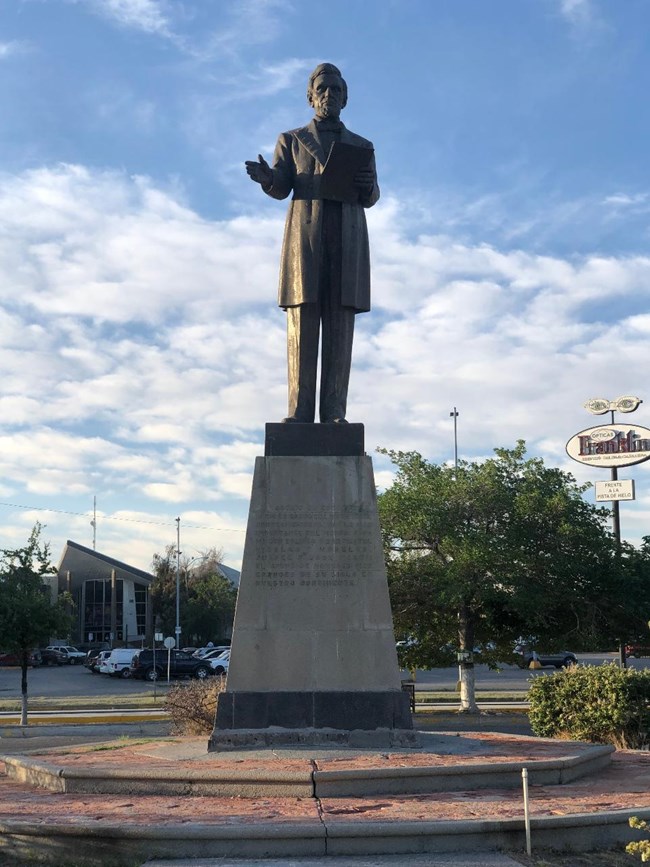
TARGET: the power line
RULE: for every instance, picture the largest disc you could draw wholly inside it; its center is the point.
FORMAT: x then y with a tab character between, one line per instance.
127	520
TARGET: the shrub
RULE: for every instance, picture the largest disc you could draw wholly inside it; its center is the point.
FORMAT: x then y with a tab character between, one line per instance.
602	704
192	705
641	848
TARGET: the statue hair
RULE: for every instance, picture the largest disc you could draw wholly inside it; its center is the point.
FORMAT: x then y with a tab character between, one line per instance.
326	68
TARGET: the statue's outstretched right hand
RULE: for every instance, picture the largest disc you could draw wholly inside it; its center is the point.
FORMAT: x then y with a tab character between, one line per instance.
260	172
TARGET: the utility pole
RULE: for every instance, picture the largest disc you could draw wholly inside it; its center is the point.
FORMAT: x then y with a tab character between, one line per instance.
93	523
178	584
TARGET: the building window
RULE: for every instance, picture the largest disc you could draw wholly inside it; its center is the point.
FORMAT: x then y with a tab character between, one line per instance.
97	609
141	608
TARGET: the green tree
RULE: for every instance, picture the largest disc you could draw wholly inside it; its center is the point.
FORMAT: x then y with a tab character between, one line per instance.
491	551
207	599
27	615
629	605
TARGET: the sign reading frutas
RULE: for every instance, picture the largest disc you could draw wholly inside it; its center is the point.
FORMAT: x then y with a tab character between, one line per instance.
619	489
613	445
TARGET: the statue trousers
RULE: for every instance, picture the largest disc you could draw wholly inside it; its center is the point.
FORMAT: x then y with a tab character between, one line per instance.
336	326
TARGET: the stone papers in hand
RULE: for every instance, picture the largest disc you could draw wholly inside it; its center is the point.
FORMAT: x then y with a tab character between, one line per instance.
343	163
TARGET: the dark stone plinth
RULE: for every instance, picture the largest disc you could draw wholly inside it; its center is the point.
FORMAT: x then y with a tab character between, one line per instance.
311	440
341	711
238	739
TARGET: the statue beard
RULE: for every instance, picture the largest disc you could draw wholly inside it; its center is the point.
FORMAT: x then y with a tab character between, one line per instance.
329	112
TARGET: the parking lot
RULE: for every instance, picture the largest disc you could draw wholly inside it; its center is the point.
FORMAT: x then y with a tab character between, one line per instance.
75	680
70	680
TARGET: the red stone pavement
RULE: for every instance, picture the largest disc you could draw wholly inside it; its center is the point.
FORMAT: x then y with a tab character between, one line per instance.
624	785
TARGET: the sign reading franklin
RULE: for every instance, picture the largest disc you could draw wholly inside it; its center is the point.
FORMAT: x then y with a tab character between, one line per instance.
325	267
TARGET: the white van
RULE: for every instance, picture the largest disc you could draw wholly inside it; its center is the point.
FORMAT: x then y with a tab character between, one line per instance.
118	664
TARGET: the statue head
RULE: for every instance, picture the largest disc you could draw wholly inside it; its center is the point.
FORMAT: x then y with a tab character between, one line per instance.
327	91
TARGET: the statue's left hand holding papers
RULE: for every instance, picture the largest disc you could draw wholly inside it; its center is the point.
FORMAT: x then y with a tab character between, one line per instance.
364	180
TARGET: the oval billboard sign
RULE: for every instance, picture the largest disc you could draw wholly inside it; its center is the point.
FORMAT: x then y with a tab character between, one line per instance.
610	445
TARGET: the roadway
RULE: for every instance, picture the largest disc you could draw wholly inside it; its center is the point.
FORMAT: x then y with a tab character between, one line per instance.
72	681
509	677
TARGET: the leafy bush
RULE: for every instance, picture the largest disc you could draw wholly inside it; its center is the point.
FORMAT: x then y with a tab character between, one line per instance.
192	705
603	704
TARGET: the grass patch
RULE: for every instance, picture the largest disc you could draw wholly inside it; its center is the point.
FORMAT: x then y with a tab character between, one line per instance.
146	700
143	700
452	696
119	744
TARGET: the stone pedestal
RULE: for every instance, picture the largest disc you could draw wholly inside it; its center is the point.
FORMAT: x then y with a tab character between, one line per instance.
313	656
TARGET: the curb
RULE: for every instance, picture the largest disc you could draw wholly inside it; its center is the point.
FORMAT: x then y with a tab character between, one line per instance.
230	784
581	832
453	778
308	783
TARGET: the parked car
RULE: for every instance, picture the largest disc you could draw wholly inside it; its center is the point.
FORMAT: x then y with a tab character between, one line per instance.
118	662
52	657
637	650
71	654
558	659
99	660
91	656
181	665
102	662
202	652
219	664
7	658
213	653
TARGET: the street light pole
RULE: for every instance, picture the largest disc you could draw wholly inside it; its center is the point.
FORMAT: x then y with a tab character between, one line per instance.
178	584
455	416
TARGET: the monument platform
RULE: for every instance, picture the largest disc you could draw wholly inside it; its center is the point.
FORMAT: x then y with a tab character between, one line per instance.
125	801
313	656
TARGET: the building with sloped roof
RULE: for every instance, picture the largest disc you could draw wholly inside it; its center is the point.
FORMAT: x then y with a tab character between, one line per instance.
112	604
111	598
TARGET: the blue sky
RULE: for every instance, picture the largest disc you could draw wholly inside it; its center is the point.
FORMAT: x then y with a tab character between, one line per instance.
141	348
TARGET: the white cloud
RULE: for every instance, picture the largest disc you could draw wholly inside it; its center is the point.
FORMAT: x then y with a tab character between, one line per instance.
10	49
150	16
624	199
584	18
252	22
142	351
577	11
115	248
624	206
116	106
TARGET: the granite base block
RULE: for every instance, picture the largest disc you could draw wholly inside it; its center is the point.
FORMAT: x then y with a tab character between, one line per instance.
339	711
313	440
237	739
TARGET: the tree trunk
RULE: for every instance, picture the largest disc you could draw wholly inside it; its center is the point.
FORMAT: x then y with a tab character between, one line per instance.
23	690
466	665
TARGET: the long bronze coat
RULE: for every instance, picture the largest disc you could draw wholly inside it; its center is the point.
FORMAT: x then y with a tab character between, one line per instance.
297	165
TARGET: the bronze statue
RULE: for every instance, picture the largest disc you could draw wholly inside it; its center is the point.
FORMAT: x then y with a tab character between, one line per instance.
325	266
